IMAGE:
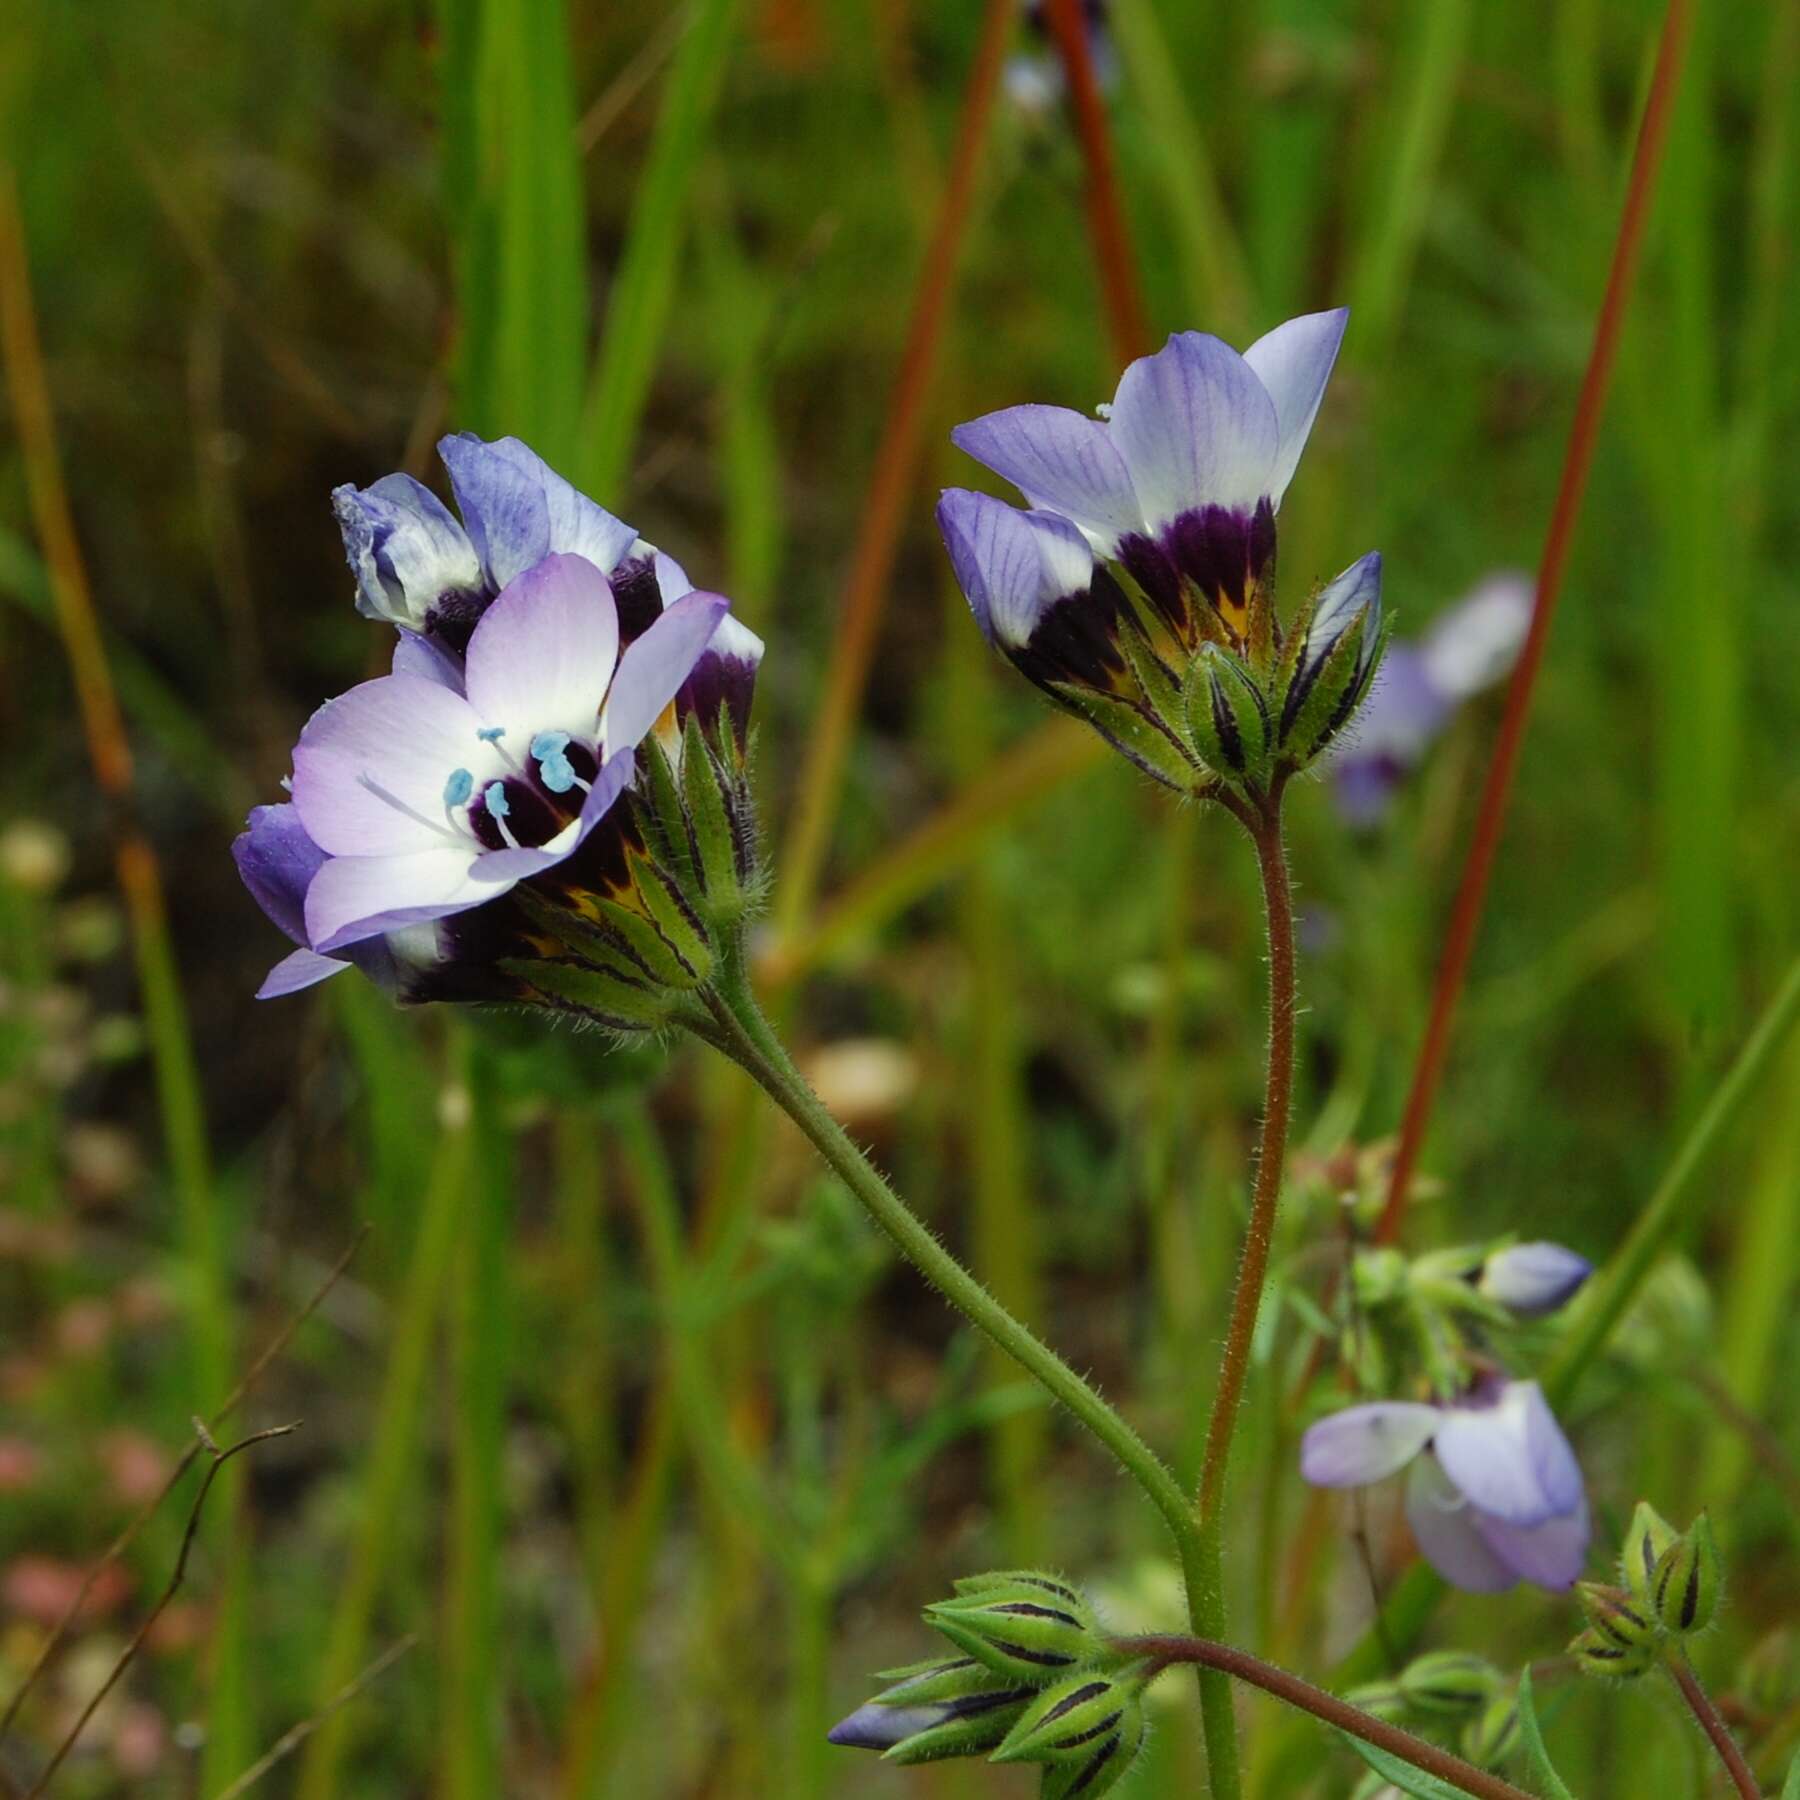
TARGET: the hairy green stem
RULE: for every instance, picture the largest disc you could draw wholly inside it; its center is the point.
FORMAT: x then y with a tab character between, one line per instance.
1239	1665
738	1029
1700	1704
1204	1560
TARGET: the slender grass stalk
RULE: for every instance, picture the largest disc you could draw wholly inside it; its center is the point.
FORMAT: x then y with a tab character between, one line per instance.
1216	272
1669	1209
395	1435
1471	896
513	181
1439	35
182	1110
644	283
473	1662
1114	264
890	486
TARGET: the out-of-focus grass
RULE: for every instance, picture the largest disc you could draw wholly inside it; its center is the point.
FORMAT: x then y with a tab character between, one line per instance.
265	255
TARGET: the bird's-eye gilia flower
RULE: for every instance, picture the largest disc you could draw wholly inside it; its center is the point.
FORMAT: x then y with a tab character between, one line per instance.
1531	1280
1137	589
434	791
1181	479
1469	648
1493	1494
421	570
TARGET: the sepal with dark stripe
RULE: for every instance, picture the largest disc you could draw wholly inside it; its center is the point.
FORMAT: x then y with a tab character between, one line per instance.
1024	1626
1071	1719
1688	1580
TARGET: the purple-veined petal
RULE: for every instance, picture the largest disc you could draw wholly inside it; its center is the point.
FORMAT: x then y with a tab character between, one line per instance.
404	548
577	525
1367	1443
298	971
1550	1555
1478	640
427	659
370	767
1013	566
1058	459
277	859
655	665
1293	362
356	897
723	678
1195	427
1533	1279
1509	1456
1449	1535
544	652
503	506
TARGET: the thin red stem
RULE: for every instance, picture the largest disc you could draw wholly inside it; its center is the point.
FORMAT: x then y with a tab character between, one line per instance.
1240	1665
1700	1703
1114	263
896	458
1465	915
1259	1236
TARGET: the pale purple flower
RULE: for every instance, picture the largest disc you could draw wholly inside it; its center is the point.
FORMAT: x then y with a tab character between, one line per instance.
1419	688
422	570
434	790
1533	1279
1179	482
1493	1493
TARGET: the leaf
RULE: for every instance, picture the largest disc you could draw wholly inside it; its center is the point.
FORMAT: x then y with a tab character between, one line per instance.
1535	1753
1402	1774
1790	1789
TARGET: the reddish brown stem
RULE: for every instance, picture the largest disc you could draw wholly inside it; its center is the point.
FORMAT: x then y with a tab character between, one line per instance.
1259	1235
1700	1704
1114	263
1240	1665
1465	914
865	589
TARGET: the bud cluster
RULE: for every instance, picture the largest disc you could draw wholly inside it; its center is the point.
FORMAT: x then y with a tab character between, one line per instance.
1036	1680
664	890
1447	1688
1672	1583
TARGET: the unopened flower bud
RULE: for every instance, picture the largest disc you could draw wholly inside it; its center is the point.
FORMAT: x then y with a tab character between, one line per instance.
1378	1276
1382	1698
1601	1657
1688	1579
1068	1720
1330	661
1532	1280
1491	1737
1228	717
1099	1767
1025	1626
1449	1681
952	1707
1649	1536
1613	1614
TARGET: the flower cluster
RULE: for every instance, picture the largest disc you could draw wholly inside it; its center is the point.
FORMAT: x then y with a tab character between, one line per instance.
1672	1582
1034	1680
1137	588
1493	1494
455	827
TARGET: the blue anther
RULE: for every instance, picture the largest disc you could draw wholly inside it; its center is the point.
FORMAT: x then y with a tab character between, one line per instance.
556	770
549	743
496	800
491	734
458	788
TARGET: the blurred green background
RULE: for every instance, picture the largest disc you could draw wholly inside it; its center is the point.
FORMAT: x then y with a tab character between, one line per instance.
620	1409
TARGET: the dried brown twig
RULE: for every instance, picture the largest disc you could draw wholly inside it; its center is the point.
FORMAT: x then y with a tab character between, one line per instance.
176	1577
128	1535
